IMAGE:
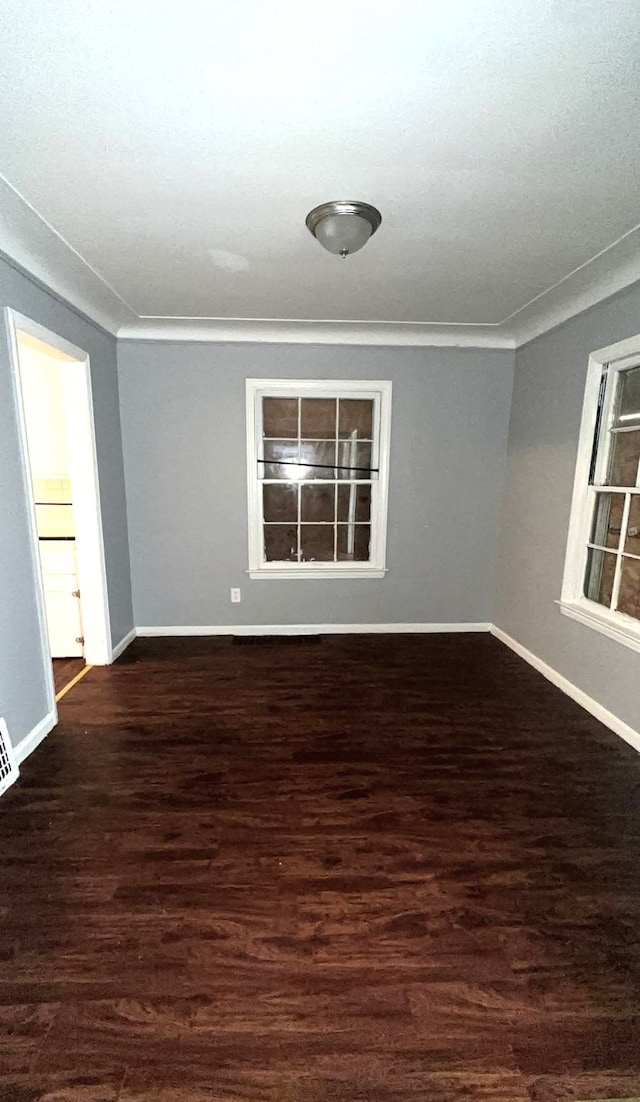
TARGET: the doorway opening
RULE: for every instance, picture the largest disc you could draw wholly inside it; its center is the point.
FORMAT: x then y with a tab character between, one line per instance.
55	414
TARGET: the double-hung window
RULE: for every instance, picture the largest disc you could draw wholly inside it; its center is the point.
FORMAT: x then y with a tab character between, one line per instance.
602	571
317	465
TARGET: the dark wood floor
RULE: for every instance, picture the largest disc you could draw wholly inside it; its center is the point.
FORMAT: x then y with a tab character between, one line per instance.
368	869
65	669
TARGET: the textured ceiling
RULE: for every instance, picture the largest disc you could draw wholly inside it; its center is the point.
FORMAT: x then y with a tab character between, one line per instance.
178	147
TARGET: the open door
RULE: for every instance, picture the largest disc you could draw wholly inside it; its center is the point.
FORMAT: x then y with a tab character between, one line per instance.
53	385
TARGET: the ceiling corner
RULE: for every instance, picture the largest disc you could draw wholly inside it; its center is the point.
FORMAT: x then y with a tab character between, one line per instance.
613	270
35	247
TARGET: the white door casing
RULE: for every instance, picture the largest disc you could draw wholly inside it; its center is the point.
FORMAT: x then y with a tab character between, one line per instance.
91	569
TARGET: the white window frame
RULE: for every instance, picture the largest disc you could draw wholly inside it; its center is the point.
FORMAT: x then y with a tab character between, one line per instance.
573	603
380	392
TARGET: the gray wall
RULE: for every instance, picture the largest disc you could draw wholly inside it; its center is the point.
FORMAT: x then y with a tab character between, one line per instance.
183	425
182	410
543	441
22	684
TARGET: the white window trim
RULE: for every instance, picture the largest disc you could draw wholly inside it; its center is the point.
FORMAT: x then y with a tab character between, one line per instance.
319	388
616	625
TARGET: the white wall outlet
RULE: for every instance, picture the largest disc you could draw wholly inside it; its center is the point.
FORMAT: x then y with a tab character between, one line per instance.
236	597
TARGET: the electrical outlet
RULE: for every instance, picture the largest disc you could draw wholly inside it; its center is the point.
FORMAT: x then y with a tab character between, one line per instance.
235	597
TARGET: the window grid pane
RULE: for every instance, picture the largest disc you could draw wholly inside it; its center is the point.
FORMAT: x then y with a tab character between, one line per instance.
280	418
624	459
601	547
333	447
628	599
319	452
606	530
618	441
632	542
601	581
612	576
349	522
628	398
600	577
318	418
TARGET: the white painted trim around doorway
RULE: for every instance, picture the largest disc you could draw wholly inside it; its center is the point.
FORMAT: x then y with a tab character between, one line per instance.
33	737
86	492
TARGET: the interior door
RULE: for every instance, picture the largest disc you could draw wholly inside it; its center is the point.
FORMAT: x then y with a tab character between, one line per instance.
63	615
62	603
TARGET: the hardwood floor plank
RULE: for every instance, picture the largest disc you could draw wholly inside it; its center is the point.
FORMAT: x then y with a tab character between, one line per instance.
68	1087
22	1030
589	1086
400	869
65	669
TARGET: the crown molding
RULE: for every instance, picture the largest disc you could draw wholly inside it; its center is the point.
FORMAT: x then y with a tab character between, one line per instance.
36	248
39	250
367	333
614	269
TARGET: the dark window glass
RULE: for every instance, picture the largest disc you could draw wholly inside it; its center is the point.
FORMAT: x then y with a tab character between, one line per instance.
318	418
601	568
318	503
316	542
356	418
607	520
354	502
353	542
629	592
280	502
280	542
280	417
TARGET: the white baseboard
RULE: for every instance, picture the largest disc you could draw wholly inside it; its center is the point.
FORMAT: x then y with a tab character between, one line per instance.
309	629
123	644
35	737
617	725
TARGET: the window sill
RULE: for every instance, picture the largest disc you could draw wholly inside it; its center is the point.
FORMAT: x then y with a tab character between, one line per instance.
314	573
617	625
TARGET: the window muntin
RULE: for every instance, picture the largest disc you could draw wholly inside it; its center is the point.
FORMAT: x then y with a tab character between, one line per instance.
602	563
612	575
327	470
318	459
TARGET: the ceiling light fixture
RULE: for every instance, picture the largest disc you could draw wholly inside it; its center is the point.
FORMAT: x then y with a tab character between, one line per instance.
343	226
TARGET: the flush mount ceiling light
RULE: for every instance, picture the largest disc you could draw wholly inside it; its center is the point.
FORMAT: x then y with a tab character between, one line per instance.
342	227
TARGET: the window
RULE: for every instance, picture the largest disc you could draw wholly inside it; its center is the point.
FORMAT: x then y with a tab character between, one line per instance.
602	570
317	465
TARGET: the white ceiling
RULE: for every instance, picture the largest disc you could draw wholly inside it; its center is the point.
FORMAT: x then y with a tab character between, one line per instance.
177	147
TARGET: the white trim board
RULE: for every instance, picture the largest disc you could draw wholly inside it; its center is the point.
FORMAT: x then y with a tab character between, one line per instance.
42	253
92	577
307	629
601	390
598	711
120	647
29	743
376	334
16	387
378	393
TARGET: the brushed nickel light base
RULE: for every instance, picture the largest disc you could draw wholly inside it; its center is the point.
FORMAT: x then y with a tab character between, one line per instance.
333	211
